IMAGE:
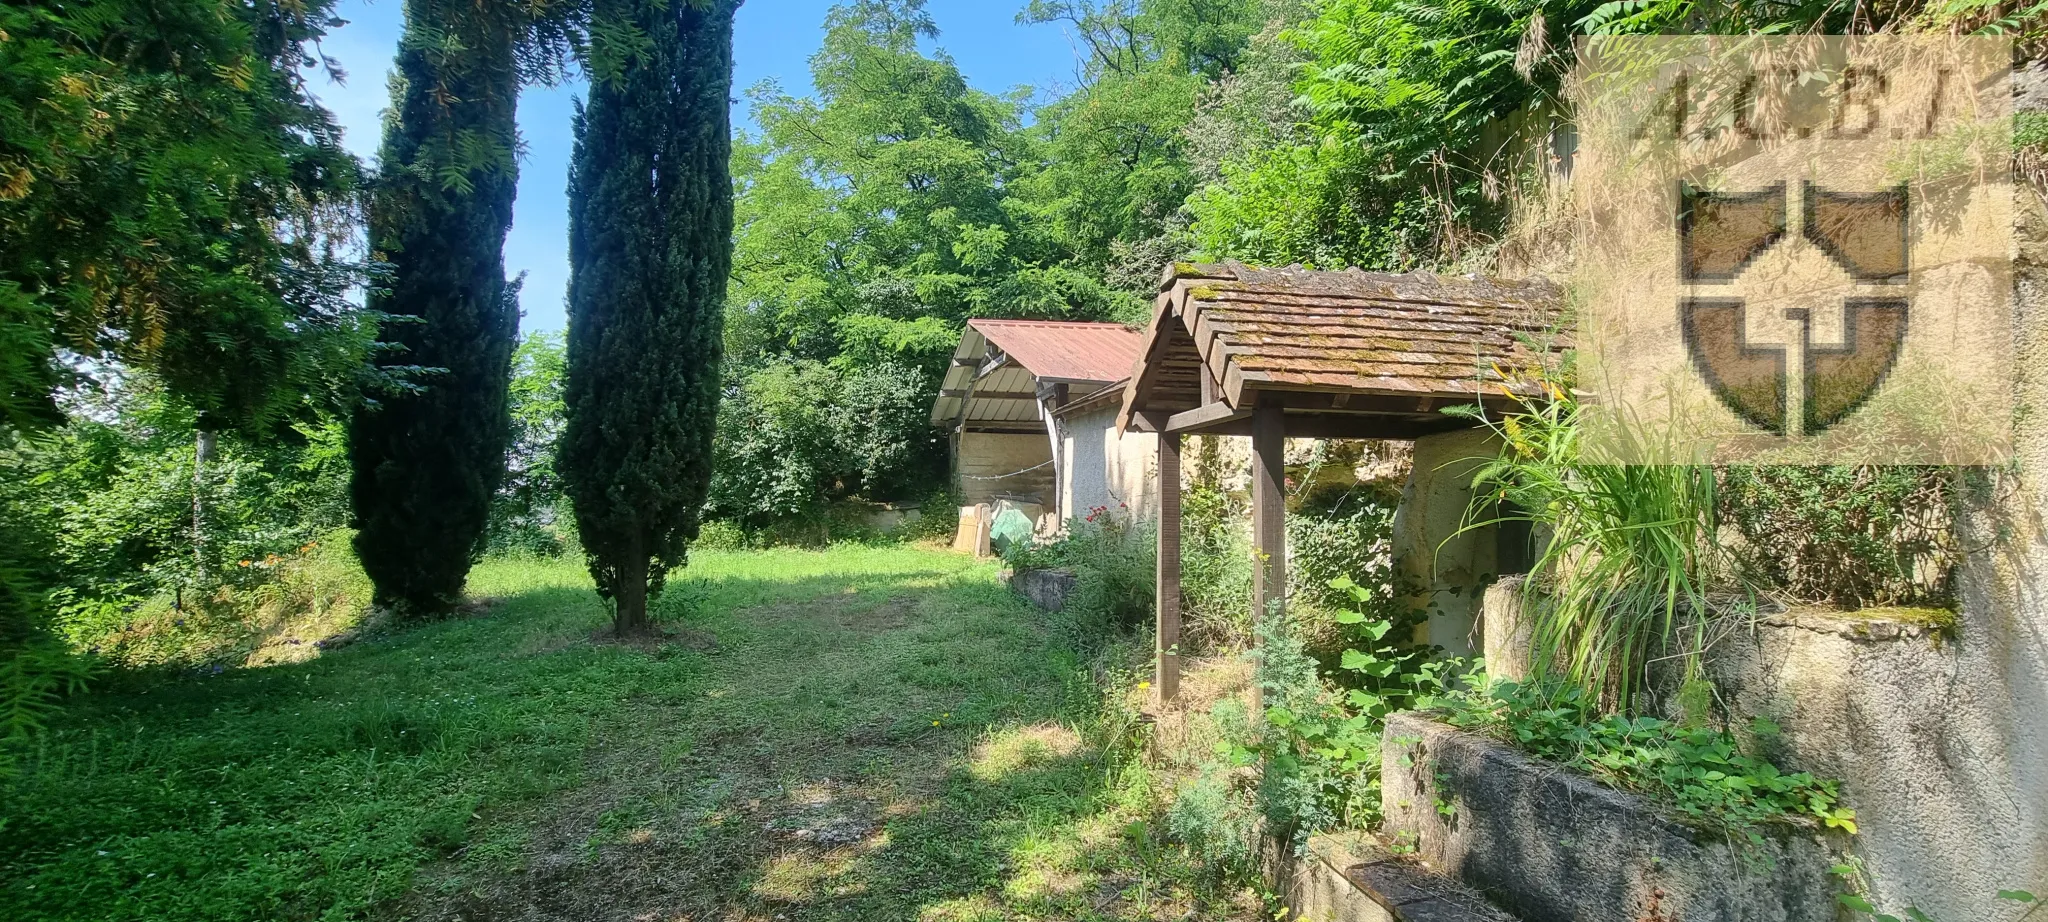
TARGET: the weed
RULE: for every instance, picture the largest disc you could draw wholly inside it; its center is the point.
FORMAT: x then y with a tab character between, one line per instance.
1697	770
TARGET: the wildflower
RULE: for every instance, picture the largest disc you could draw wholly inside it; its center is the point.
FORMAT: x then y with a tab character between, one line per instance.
935	723
245	563
1144	685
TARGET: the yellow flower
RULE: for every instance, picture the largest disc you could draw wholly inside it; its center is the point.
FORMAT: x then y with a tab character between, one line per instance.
244	563
1144	685
935	723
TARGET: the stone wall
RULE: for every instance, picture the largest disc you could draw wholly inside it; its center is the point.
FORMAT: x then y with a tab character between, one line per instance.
1934	733
1551	845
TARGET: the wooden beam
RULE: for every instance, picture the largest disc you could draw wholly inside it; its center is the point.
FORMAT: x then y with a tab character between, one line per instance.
1202	417
1147	421
1166	647
1269	518
1017	427
1344	426
972	394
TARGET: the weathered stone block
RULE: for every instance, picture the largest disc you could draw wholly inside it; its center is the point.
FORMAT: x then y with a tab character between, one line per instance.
1551	845
1047	589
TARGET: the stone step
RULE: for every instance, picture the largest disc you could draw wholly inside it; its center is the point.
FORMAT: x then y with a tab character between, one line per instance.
1353	878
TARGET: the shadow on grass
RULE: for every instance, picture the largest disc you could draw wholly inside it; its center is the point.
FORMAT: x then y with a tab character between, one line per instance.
316	788
899	749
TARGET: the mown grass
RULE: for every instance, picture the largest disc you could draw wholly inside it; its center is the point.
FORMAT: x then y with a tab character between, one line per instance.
859	733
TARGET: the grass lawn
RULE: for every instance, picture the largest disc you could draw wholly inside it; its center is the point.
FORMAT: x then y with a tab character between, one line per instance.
860	733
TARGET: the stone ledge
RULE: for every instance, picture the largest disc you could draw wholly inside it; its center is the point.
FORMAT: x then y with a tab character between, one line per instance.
1552	845
1352	878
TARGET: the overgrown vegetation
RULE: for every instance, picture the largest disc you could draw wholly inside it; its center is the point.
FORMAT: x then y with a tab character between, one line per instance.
1699	771
1630	555
1114	562
1851	537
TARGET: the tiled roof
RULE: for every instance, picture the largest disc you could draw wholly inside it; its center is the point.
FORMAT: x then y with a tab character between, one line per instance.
1407	344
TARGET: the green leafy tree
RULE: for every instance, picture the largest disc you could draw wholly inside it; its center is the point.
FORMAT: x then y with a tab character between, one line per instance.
650	251
1115	167
172	204
531	510
885	201
429	458
171	199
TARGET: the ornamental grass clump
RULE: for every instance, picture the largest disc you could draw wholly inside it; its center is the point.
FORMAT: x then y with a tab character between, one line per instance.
1628	557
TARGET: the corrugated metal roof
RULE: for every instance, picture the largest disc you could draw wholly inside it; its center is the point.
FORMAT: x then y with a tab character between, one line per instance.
1066	351
1089	355
1416	341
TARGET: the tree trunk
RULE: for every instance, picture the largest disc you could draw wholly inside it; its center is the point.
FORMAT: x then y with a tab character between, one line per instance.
629	614
202	454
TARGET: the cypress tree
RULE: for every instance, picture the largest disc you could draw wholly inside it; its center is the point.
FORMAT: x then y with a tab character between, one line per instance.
428	459
650	245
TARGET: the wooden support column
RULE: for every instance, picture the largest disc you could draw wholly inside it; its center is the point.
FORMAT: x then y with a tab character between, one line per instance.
1269	518
1166	674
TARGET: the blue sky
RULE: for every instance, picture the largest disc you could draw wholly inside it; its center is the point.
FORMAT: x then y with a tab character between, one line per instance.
774	40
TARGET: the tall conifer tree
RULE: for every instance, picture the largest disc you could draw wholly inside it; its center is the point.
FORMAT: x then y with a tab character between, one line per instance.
427	461
650	245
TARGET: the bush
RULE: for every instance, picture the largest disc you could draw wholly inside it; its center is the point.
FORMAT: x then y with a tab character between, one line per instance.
1319	761
1215	571
1344	533
1213	824
1847	536
796	436
1631	557
1114	566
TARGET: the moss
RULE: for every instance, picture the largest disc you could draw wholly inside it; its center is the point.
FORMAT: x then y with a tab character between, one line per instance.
1940	618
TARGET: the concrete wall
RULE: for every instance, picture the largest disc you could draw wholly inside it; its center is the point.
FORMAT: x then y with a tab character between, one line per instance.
1448	573
1934	734
993	454
1555	846
1101	468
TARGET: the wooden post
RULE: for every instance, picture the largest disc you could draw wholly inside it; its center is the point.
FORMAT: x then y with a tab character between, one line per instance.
1269	518
1166	648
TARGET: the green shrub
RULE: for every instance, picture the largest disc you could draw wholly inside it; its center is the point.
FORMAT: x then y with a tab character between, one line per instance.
1213	824
1848	536
721	536
1319	761
1343	533
1697	770
938	516
796	436
1114	566
1215	572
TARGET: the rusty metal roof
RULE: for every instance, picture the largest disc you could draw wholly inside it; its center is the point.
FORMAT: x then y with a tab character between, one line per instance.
1000	364
1064	351
1336	343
